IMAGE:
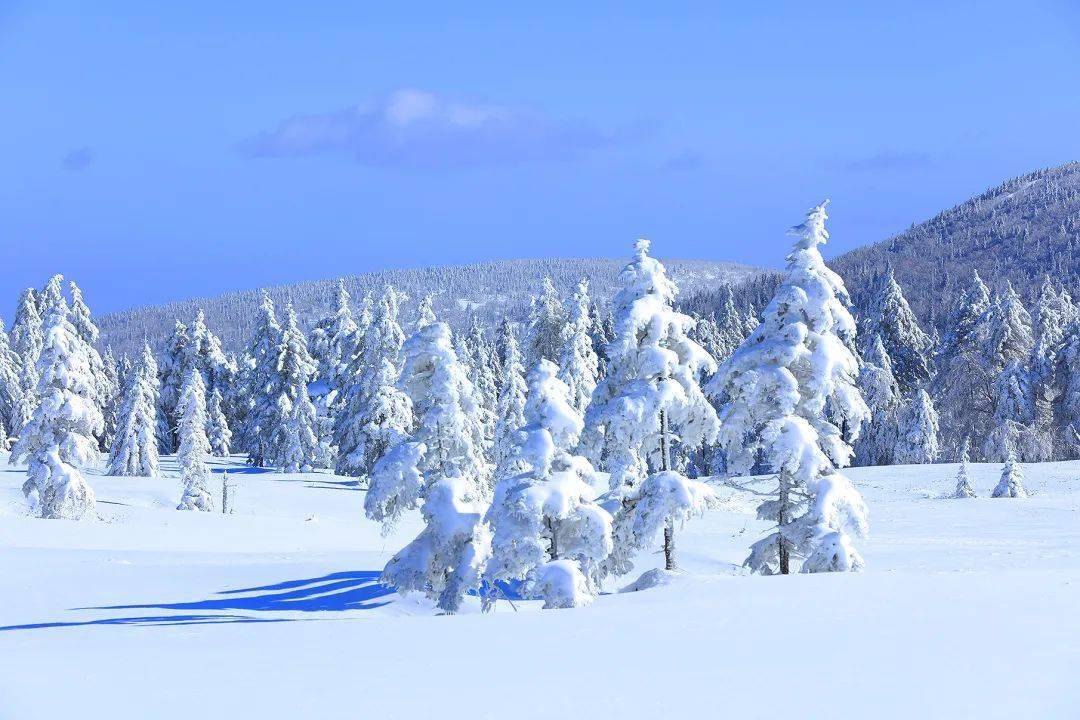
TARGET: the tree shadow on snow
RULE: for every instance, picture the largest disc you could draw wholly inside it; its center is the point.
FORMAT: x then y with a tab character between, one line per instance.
354	590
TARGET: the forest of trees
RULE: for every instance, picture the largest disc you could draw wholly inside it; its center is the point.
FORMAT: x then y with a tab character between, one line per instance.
552	451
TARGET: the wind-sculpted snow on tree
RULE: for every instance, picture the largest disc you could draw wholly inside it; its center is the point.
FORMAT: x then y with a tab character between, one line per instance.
445	452
548	514
194	446
787	386
1011	484
135	450
649	405
61	434
579	366
917	439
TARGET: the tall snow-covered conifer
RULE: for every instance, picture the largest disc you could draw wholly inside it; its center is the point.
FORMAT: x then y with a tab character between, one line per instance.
261	376
787	386
546	321
510	407
917	440
194	447
27	338
135	451
889	317
217	426
290	437
579	366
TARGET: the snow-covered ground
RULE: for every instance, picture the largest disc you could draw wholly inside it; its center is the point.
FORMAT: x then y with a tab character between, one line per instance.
969	609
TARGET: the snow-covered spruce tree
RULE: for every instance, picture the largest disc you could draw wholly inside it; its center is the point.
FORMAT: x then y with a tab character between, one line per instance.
788	385
173	369
343	337
425	313
1010	345
204	352
510	408
217	426
964	488
27	338
878	438
478	356
579	367
889	317
88	332
917	439
446	424
963	387
291	442
375	414
649	405
1067	381
194	447
135	450
548	514
1011	484
11	392
446	558
546	321
114	398
60	435
261	383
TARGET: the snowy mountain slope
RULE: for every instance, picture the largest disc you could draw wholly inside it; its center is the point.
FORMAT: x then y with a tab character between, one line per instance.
488	290
967	610
1018	232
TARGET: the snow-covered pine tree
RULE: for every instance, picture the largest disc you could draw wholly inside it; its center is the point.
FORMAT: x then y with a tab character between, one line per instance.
27	338
205	353
217	426
510	408
731	325
134	450
889	317
173	369
375	414
261	381
649	405
1011	484
878	438
479	356
787	385
61	434
114	397
917	440
446	558
194	447
425	313
88	332
1010	346
546	321
446	424
548	514
11	391
291	441
964	488
344	338
579	367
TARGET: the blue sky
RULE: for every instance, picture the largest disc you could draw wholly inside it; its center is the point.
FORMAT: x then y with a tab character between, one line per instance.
156	151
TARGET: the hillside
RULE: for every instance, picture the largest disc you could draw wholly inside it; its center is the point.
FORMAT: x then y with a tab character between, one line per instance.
1019	231
489	290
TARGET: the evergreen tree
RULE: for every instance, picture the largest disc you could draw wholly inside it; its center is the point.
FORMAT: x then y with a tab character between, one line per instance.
878	438
217	426
134	450
649	405
173	369
579	366
194	447
290	438
546	321
11	391
889	317
963	479
261	384
918	437
375	414
510	408
787	386
27	339
1011	484
114	396
344	339
548	514
61	433
88	332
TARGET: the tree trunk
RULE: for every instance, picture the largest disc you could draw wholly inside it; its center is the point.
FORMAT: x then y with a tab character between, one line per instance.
785	555
665	464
